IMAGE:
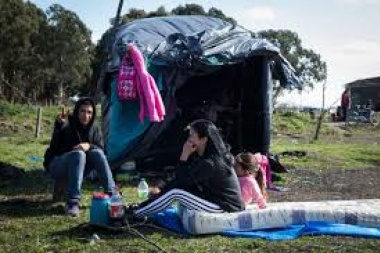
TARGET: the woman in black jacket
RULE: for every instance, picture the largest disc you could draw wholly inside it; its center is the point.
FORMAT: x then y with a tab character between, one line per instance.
76	147
205	179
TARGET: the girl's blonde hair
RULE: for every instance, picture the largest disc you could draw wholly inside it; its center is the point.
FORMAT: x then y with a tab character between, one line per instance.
248	162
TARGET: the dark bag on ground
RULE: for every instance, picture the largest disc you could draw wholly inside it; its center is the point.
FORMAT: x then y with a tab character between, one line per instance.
275	164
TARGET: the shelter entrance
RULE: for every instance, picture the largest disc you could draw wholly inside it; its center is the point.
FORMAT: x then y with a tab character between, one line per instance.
230	97
216	97
234	97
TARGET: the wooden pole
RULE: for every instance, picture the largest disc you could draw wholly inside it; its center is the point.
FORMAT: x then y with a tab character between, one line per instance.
322	114
38	122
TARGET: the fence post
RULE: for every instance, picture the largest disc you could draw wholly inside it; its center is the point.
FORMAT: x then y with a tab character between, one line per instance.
38	122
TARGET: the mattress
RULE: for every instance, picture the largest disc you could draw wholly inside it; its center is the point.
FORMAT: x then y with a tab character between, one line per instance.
364	212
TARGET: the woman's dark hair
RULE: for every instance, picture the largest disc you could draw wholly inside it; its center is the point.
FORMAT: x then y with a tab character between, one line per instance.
248	163
215	145
78	104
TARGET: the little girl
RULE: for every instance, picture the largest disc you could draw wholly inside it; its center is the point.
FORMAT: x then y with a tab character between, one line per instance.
263	163
251	178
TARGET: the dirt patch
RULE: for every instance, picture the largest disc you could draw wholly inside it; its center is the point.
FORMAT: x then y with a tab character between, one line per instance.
330	184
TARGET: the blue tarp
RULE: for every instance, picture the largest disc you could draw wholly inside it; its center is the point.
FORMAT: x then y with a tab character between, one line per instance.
124	125
170	220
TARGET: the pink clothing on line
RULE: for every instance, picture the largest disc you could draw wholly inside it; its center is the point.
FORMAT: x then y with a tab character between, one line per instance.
127	81
251	192
151	104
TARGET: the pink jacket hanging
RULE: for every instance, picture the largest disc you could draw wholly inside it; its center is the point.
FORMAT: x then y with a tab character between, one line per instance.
151	104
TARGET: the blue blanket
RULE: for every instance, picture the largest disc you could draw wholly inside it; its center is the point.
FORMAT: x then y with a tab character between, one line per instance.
170	220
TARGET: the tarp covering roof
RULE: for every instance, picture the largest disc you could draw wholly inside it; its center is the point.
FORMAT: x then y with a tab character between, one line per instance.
198	44
368	82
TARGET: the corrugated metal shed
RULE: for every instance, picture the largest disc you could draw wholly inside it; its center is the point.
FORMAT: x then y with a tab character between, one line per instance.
365	91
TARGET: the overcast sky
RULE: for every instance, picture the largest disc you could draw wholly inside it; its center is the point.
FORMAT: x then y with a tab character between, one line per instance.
346	33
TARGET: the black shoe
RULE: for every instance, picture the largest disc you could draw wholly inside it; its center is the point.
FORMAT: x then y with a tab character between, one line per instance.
130	214
276	178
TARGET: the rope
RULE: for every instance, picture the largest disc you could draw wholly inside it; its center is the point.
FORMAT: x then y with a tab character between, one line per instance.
132	231
155	227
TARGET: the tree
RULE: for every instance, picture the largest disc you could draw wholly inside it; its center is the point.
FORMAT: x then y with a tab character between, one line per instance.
42	53
133	14
216	13
160	12
309	66
17	25
70	46
36	70
189	9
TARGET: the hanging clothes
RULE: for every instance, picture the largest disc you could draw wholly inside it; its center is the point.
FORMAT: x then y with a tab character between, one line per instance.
126	82
151	104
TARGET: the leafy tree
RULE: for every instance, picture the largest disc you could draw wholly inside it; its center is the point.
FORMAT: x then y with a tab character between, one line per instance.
17	24
189	9
36	70
160	12
308	65
42	52
133	14
216	13
70	45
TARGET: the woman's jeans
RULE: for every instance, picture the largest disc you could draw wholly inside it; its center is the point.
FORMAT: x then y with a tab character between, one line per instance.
72	165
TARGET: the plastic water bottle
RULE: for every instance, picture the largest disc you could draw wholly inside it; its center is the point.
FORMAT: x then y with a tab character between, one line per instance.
116	207
143	189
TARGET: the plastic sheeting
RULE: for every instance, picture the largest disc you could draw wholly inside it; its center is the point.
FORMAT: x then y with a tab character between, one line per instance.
197	44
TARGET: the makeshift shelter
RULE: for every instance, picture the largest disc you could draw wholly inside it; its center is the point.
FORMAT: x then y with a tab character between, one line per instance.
204	68
365	90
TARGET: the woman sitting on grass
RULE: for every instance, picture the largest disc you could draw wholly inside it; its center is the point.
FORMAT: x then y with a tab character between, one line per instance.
205	178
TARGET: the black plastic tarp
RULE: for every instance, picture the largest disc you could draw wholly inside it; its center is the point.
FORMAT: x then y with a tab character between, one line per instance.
194	52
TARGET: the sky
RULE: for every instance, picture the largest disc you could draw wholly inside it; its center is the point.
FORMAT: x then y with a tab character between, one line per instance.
346	33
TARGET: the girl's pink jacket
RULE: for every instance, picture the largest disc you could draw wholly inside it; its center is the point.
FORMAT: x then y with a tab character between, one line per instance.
264	165
151	104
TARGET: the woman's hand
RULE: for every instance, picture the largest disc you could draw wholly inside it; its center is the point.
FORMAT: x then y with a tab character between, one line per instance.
62	117
154	192
187	149
85	146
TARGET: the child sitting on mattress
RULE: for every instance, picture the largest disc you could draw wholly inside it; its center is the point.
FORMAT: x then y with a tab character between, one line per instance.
251	178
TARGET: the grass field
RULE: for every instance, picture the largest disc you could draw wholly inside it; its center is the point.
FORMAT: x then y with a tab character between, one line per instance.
30	222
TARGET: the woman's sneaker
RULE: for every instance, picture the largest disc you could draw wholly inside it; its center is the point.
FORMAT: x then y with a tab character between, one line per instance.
72	207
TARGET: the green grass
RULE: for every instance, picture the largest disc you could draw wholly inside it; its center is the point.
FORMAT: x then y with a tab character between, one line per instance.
299	124
30	222
323	155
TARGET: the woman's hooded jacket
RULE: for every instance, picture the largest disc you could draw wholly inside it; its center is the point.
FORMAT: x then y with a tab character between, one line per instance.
69	134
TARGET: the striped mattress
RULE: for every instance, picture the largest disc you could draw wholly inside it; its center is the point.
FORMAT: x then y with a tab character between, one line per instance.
364	212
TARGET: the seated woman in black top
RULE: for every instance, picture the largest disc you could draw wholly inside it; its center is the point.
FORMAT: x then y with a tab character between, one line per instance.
205	179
